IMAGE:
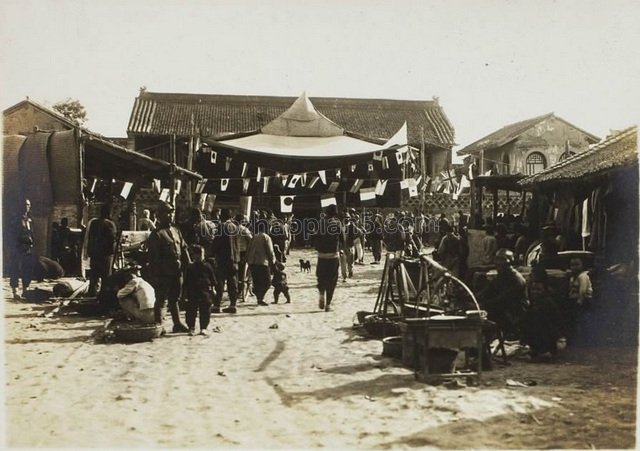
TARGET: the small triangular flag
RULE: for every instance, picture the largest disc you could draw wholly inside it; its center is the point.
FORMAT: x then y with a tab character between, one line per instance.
413	188
399	157
126	189
211	201
377	156
203	201
245	185
224	183
227	163
214	157
295	178
200	186
244	169
385	163
157	186
164	195
323	177
356	185
258	174
370	167
333	187
381	187
313	182
265	184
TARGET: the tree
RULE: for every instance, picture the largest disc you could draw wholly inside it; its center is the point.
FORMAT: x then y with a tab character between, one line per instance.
72	110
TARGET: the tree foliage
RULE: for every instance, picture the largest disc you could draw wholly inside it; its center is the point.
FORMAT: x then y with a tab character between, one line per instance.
72	110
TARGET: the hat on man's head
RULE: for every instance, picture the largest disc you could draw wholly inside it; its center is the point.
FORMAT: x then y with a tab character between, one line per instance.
165	207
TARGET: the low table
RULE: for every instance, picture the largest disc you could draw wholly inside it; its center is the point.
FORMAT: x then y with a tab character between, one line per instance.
422	335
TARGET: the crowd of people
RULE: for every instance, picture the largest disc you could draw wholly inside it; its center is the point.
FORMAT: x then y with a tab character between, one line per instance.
197	260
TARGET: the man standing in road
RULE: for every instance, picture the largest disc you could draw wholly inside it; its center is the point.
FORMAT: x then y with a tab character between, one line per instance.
328	242
101	247
168	259
227	255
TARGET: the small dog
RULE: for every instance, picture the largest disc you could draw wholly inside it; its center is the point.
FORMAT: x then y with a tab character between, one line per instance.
305	265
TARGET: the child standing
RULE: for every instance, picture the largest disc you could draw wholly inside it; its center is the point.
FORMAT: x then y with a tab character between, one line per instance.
199	286
279	283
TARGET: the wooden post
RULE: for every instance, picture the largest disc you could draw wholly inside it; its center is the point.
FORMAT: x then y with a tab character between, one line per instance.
474	205
172	169
495	204
423	169
190	155
82	204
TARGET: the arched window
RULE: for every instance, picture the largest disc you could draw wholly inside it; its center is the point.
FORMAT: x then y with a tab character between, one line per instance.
536	162
566	155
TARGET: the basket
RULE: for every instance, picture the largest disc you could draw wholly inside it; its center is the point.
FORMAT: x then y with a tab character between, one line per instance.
362	314
379	327
88	307
134	332
392	347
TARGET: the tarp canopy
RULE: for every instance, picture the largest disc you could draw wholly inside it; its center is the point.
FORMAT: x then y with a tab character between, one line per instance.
303	139
305	147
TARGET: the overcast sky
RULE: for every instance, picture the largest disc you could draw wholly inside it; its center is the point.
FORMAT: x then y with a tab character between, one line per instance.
490	62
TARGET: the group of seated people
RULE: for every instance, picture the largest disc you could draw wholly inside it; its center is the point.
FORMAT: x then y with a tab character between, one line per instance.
531	311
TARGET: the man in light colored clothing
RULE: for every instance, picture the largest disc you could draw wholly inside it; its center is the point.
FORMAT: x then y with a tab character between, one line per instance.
260	257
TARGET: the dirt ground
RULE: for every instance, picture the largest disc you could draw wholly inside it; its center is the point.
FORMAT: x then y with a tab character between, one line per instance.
314	381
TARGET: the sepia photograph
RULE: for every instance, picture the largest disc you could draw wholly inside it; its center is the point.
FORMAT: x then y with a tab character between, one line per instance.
279	224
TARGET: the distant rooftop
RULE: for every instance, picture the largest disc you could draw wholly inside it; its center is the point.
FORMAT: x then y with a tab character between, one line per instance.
215	115
512	131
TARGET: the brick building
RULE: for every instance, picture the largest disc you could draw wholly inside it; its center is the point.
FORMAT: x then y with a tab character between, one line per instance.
529	146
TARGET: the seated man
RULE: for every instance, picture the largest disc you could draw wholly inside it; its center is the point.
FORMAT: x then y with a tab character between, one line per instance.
542	326
137	297
505	298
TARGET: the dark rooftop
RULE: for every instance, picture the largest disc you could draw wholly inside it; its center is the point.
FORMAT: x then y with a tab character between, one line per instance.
616	151
218	115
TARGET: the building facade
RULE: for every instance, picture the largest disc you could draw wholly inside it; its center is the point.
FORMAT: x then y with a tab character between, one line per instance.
157	116
528	147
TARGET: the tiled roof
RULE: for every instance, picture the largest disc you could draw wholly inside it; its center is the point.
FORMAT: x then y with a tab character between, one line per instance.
219	115
618	150
509	133
108	146
44	109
